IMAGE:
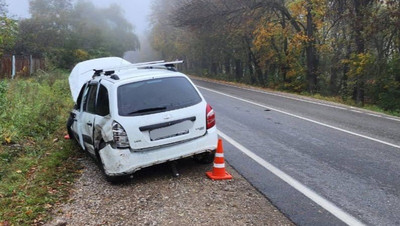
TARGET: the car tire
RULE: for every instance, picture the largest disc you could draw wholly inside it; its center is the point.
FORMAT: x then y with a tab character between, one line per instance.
110	179
205	158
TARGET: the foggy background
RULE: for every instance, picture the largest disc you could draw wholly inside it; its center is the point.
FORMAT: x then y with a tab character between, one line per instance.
135	11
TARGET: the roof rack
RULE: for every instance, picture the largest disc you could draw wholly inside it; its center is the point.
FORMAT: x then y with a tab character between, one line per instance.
99	71
145	65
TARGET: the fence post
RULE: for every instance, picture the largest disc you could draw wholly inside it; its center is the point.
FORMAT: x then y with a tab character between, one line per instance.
13	67
30	65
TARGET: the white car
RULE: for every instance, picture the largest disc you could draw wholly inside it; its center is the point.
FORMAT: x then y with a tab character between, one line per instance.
131	116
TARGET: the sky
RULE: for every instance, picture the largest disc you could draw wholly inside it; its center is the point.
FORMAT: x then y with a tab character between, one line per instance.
136	11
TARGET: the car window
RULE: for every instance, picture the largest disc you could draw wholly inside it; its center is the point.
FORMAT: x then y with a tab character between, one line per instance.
91	98
156	95
79	100
102	104
85	98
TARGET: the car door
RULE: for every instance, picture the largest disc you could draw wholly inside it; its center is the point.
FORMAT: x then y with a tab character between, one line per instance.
87	117
76	114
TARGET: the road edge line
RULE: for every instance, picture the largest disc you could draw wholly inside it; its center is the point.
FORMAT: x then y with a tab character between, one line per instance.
303	118
324	203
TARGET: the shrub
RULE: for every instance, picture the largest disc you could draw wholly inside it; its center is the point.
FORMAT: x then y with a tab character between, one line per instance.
33	108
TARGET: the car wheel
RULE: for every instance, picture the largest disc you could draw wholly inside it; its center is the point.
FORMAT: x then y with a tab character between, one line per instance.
111	179
205	158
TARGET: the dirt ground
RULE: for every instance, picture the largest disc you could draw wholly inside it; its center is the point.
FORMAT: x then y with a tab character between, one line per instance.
154	197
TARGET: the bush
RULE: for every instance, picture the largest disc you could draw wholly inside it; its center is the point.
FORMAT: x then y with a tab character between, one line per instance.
34	107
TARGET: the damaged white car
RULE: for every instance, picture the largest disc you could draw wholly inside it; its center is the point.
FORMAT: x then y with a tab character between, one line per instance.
131	116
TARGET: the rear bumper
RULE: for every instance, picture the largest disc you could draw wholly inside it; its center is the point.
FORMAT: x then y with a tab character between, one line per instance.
124	161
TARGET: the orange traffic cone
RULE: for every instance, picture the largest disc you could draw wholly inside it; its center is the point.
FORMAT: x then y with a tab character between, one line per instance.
218	172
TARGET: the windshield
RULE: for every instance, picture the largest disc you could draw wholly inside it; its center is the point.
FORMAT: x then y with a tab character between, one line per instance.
156	95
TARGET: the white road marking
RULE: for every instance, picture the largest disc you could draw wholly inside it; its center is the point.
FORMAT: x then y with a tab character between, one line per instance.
303	118
287	97
311	102
393	119
379	116
324	203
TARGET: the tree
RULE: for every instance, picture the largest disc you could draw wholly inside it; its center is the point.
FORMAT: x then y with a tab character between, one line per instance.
8	29
332	47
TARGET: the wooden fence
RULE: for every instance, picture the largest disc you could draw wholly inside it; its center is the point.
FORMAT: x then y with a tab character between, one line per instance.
24	66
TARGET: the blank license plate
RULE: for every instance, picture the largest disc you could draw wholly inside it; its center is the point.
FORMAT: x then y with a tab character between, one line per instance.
178	129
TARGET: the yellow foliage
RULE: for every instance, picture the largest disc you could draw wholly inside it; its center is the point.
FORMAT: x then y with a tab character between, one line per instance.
298	9
359	64
81	55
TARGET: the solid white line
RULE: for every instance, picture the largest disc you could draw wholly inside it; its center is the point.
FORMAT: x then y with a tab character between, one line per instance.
327	205
303	118
393	119
380	116
287	97
310	101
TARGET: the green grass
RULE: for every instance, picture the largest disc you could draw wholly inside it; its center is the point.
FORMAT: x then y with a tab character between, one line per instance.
338	99
38	166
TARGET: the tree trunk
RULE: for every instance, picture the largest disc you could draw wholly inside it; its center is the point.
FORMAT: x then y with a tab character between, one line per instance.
238	70
311	53
250	67
284	67
359	10
227	66
214	68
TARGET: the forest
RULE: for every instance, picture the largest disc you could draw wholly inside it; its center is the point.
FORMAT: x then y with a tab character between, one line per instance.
349	49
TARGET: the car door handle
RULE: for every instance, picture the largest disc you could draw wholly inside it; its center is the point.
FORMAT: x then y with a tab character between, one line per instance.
89	124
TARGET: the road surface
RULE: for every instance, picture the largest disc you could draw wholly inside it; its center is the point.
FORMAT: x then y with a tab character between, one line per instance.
319	163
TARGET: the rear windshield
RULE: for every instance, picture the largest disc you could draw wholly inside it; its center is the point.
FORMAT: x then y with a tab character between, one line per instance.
156	95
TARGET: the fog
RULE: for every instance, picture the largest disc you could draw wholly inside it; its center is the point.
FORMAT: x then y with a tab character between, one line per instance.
135	11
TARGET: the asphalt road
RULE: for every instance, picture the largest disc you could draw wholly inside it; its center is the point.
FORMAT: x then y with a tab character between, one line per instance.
319	163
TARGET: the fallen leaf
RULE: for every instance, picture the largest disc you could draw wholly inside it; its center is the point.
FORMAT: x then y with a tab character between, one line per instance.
8	140
18	171
4	223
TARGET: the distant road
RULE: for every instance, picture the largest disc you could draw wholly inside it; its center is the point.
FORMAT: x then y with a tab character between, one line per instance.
319	163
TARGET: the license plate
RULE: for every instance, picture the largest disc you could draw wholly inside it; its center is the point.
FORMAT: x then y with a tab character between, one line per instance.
178	129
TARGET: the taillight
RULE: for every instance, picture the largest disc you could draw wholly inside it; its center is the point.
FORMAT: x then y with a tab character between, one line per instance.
210	117
120	136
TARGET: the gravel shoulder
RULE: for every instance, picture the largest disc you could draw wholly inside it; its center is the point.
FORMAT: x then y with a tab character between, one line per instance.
154	197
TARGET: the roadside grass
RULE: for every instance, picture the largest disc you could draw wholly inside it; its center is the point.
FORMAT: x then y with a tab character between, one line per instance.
338	99
37	166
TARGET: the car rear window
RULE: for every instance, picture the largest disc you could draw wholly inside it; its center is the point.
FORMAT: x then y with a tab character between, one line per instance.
156	95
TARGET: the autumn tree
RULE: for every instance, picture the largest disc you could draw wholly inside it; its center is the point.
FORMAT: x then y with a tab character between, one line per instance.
348	48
